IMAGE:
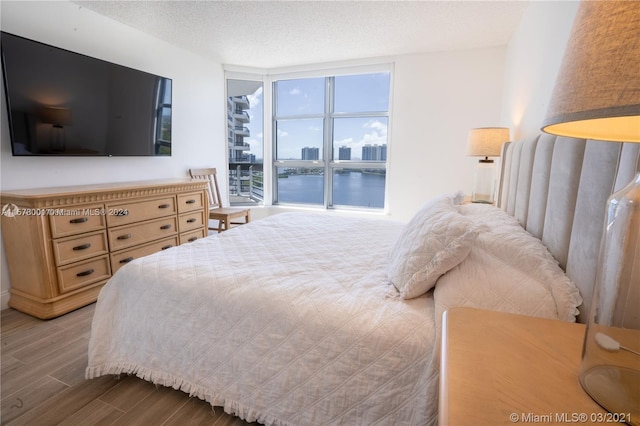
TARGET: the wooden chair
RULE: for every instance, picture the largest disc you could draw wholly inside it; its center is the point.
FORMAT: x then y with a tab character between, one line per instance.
225	216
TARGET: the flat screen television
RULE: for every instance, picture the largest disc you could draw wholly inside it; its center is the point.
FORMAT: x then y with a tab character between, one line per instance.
64	103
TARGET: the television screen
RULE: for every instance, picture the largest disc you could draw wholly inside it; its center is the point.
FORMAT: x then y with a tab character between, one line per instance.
64	103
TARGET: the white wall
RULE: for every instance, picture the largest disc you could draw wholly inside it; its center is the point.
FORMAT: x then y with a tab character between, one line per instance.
198	101
438	98
534	55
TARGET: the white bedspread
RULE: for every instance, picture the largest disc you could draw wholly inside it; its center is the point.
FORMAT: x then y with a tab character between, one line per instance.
285	320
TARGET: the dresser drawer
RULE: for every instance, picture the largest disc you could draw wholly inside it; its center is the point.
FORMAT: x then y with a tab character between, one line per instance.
76	248
190	221
131	235
118	260
190	202
125	213
189	237
77	220
81	274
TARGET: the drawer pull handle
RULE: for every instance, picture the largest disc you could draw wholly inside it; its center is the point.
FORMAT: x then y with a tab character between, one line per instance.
164	206
79	220
191	220
124	237
85	273
127	260
167	247
82	247
165	227
192	239
190	201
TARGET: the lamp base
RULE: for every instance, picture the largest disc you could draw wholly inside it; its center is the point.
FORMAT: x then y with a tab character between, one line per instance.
481	199
613	388
610	367
485	183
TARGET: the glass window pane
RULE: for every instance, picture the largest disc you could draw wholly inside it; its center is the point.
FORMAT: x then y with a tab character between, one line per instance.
359	188
299	139
300	185
166	98
300	96
360	139
362	93
165	126
245	141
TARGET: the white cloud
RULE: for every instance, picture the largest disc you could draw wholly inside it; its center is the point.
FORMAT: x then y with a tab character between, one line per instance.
255	98
378	127
282	133
295	91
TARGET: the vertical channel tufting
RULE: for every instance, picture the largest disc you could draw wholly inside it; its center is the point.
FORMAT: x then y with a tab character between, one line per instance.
525	173
513	177
566	168
505	175
502	184
540	185
596	182
629	165
570	183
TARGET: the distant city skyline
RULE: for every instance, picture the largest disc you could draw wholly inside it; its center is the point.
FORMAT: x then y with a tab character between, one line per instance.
298	97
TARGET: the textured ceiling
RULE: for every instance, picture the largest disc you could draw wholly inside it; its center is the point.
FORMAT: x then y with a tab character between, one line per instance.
270	34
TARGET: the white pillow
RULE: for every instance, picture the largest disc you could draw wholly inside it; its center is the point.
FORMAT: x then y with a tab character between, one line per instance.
507	270
436	239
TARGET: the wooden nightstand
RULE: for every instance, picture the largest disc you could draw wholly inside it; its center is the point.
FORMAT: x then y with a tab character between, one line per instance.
499	368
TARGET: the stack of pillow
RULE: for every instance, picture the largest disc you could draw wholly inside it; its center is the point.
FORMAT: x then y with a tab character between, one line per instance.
477	255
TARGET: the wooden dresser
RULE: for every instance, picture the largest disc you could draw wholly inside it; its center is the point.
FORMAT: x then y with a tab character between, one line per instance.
63	244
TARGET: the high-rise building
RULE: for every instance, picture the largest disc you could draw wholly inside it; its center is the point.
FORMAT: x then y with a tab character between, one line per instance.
309	153
374	152
344	153
237	116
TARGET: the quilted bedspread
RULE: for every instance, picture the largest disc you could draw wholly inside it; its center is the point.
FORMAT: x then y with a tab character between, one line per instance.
285	321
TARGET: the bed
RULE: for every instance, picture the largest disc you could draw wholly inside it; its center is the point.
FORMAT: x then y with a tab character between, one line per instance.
312	319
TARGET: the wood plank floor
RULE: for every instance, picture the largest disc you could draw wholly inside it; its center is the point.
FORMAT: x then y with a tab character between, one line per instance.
42	381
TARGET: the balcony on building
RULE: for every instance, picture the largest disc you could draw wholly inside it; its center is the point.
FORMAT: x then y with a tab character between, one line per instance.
241	131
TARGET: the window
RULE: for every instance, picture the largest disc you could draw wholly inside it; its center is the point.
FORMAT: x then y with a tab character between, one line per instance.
330	140
163	118
244	141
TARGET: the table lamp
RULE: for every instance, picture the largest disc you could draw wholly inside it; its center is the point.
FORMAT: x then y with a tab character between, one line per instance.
485	142
597	96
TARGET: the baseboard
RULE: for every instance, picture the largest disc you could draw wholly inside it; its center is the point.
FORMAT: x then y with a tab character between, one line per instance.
4	300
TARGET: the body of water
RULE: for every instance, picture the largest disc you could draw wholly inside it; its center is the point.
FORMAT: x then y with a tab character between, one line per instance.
349	189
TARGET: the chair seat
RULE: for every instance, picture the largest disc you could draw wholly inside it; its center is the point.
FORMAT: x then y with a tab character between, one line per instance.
228	212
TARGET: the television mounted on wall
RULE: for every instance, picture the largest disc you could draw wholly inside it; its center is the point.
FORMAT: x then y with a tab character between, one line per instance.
61	103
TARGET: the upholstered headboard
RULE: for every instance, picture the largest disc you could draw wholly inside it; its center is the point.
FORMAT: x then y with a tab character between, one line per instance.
558	188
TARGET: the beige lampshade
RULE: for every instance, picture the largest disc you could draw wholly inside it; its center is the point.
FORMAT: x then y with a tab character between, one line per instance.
597	93
486	141
56	116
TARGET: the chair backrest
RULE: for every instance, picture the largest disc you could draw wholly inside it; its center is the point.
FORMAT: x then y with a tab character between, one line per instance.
210	176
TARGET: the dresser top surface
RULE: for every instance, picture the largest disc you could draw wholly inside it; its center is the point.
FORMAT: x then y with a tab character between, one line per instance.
61	191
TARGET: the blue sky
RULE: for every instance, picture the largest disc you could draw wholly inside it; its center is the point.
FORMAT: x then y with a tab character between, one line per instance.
354	93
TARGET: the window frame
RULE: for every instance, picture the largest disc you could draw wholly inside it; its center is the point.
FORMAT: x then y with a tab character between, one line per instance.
327	162
256	76
161	106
